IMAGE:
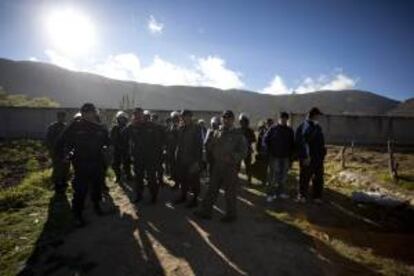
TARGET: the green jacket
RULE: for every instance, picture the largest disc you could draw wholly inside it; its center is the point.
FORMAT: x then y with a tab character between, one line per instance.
228	146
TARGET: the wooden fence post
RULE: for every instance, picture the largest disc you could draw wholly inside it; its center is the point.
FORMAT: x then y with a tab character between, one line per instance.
392	164
343	159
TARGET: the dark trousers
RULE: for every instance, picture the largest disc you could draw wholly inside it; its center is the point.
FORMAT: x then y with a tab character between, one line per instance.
226	177
170	164
88	177
60	174
248	166
144	168
189	180
314	171
121	158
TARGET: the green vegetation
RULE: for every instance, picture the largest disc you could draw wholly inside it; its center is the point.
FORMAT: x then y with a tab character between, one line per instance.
19	157
29	212
20	100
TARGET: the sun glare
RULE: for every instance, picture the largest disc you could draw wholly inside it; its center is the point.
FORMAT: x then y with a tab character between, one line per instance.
70	31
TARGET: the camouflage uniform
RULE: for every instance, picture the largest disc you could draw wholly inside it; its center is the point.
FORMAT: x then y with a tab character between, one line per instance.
60	169
229	147
145	140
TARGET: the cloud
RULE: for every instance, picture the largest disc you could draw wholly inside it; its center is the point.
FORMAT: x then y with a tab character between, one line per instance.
154	26
33	59
339	81
335	81
214	73
276	87
60	60
205	71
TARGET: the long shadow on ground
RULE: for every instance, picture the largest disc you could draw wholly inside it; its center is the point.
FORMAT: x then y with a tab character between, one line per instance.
386	231
256	244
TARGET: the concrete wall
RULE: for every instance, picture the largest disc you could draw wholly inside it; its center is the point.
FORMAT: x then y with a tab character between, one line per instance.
339	129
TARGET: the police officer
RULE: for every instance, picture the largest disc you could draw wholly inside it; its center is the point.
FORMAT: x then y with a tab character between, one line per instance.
229	147
85	139
160	151
60	169
214	125
188	158
144	139
120	153
250	138
172	142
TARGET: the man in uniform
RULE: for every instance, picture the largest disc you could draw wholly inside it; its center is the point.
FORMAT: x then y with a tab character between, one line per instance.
60	169
189	157
250	138
85	139
214	125
229	147
121	153
160	151
172	141
145	139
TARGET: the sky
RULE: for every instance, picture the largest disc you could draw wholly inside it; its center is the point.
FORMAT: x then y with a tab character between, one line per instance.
275	47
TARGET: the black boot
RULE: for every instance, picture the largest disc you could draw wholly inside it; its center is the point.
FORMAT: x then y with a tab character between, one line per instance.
97	209
79	221
193	203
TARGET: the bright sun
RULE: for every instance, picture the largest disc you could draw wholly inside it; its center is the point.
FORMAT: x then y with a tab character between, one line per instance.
70	31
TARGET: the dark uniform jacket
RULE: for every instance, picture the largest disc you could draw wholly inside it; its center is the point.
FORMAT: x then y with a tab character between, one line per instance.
310	141
145	140
250	137
53	132
279	141
85	139
172	138
190	145
117	139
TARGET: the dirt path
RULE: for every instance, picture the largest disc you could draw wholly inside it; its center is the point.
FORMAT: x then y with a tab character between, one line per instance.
167	240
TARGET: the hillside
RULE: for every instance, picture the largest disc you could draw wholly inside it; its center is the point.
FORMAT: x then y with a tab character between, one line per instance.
70	89
405	108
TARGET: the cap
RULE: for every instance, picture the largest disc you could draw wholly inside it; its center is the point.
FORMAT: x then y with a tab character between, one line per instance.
228	114
314	111
88	107
284	114
186	113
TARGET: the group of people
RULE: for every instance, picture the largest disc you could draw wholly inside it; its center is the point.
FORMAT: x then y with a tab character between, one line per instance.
142	150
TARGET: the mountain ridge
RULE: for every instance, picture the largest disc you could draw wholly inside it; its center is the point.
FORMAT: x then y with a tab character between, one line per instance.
72	88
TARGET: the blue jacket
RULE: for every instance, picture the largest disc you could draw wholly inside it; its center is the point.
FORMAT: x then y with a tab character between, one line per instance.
310	141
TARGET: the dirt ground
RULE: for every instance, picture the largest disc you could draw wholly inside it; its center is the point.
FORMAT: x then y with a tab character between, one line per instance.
163	239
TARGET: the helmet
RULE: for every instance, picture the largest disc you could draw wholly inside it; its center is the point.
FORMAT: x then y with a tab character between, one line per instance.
243	116
122	114
215	120
77	115
201	121
174	114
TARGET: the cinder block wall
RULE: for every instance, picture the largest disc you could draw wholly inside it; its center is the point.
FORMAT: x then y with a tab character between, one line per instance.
22	122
